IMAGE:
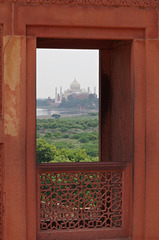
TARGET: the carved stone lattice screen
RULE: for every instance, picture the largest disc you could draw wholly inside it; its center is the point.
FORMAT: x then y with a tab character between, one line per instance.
79	199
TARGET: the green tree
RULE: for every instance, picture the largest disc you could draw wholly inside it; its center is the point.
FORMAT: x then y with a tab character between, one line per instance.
90	102
45	152
42	103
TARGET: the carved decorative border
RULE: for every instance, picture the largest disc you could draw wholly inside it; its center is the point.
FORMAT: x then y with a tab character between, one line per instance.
115	3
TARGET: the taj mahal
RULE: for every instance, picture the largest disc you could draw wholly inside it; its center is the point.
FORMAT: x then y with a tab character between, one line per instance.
74	90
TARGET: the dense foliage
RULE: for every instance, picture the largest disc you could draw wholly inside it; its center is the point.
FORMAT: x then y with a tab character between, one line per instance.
42	103
90	102
47	152
73	139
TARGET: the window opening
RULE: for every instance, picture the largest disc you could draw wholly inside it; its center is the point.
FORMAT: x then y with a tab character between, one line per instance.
67	105
88	196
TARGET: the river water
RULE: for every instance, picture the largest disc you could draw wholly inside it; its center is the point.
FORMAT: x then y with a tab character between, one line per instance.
46	113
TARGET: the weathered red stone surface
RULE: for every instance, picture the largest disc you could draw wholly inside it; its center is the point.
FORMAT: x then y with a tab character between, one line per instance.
1	132
139	76
126	32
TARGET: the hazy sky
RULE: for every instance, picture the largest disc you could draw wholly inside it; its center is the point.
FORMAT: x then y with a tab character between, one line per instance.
59	67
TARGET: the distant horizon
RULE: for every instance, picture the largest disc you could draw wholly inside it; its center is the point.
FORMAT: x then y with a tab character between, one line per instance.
51	98
63	90
59	67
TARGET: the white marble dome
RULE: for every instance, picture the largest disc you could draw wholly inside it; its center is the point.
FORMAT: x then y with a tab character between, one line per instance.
75	86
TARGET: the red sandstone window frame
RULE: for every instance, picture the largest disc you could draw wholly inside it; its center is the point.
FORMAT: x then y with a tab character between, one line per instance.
43	34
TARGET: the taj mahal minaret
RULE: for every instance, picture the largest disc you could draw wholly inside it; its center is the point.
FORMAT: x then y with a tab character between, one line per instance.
74	90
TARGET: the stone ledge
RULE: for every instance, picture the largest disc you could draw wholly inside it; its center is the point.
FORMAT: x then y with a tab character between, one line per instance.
115	3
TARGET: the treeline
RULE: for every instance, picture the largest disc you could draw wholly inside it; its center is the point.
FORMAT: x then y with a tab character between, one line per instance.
90	102
42	102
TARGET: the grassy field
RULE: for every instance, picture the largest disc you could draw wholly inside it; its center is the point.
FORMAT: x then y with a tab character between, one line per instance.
78	132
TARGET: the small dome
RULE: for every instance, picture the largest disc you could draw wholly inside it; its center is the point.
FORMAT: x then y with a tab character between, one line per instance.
75	86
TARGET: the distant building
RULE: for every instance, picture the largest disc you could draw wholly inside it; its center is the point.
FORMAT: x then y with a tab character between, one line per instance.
74	90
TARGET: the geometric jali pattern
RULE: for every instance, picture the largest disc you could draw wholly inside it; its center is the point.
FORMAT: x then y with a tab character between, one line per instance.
80	200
